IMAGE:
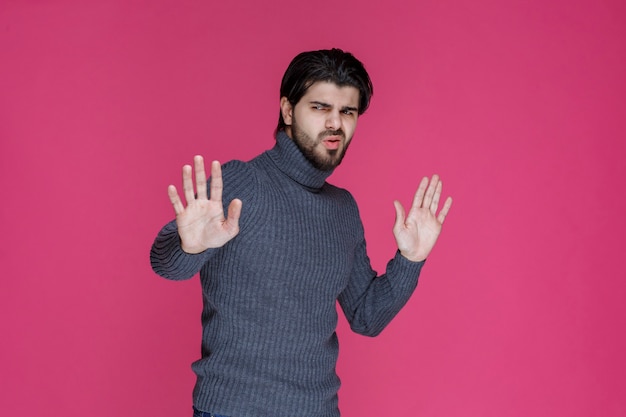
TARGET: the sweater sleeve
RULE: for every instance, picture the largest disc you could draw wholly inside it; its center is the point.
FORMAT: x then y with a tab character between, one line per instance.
167	257
370	302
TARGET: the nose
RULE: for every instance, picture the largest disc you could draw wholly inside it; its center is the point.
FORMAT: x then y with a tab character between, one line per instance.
333	120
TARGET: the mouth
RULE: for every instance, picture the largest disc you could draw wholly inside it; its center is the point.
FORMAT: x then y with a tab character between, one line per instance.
332	142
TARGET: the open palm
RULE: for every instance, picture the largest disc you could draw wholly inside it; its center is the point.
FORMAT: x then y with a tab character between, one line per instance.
417	232
202	224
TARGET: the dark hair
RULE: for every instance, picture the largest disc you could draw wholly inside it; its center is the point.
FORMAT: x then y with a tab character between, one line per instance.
330	65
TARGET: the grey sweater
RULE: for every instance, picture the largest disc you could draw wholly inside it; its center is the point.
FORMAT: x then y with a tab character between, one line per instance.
269	346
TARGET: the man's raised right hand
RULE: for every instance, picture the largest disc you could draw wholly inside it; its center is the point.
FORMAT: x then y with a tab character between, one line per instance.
202	225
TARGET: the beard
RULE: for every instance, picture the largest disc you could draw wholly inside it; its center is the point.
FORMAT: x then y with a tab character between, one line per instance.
321	158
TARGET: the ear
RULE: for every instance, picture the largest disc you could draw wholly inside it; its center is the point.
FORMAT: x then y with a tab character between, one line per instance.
286	110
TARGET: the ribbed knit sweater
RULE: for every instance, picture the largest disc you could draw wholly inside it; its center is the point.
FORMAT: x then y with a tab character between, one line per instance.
269	346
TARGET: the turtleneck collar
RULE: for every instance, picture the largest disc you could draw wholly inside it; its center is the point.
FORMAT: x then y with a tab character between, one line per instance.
288	159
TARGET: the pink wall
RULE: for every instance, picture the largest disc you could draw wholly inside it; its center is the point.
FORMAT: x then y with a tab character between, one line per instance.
519	105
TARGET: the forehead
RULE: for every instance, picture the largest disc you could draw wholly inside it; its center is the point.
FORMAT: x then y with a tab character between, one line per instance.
331	93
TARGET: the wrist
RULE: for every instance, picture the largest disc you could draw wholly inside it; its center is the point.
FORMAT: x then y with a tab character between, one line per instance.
191	250
413	257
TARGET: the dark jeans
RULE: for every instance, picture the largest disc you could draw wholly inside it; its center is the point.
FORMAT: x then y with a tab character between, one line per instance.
198	413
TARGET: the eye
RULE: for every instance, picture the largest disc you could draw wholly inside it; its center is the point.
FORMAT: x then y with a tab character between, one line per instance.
348	112
318	107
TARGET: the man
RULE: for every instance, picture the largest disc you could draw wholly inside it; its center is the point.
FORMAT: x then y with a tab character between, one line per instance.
289	247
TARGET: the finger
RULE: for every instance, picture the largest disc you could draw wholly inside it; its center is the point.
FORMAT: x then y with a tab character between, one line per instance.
175	200
188	184
400	215
419	194
436	197
216	181
198	164
234	212
430	192
444	211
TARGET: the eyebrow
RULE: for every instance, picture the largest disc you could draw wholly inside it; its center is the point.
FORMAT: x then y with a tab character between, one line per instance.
327	106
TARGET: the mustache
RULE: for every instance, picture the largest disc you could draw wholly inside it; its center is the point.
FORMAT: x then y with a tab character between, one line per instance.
327	133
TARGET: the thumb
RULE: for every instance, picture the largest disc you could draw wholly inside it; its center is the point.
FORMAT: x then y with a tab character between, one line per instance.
400	215
234	211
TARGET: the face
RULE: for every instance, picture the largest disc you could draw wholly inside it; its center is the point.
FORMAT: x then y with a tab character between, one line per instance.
322	122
